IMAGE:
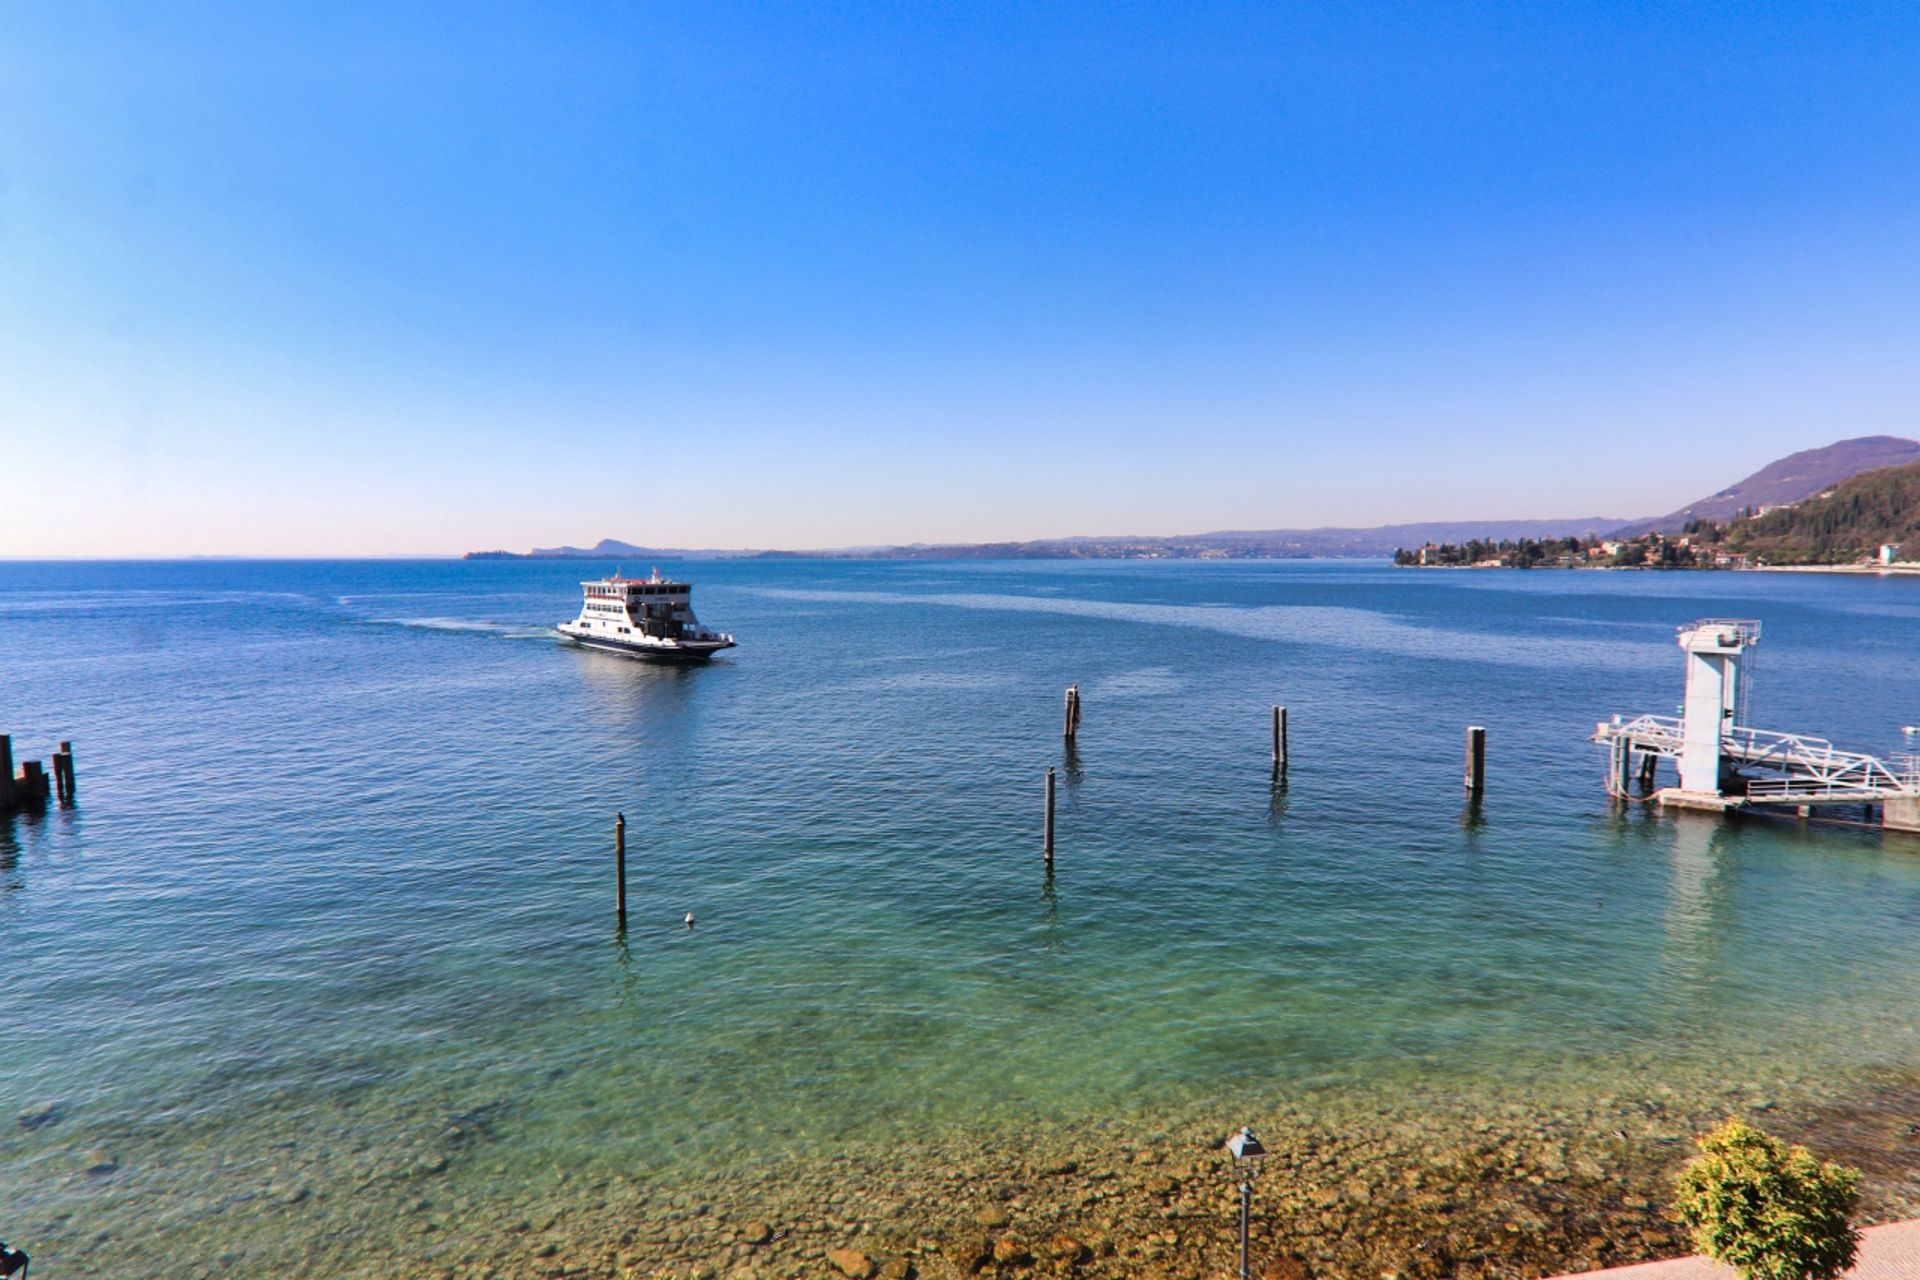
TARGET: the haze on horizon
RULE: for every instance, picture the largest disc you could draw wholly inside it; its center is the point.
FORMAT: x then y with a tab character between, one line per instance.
312	280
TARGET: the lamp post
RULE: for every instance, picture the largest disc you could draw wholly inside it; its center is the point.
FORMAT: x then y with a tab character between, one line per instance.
1247	1153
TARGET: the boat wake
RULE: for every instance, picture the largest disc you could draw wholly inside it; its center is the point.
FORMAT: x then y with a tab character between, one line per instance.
473	626
1333	626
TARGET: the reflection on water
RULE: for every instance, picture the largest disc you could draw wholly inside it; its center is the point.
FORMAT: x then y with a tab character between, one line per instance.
1053	936
1277	796
1697	845
1473	818
657	694
9	851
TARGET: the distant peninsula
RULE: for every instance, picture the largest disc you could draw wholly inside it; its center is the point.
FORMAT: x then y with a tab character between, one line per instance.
1793	479
1268	544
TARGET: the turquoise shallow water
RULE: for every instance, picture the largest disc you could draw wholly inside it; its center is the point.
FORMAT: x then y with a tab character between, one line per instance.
341	868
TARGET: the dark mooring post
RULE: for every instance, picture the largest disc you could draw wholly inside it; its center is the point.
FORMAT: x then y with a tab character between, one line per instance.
33	783
1047	837
1476	759
6	768
1072	717
620	862
1280	739
63	773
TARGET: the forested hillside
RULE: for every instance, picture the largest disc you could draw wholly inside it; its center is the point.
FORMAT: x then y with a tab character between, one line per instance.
1847	524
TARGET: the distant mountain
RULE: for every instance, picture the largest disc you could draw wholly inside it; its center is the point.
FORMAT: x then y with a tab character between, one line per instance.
1794	478
1263	544
1791	479
1383	539
1267	544
1849	524
608	548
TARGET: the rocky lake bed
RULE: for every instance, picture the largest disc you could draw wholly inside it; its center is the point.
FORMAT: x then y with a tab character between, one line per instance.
1416	1189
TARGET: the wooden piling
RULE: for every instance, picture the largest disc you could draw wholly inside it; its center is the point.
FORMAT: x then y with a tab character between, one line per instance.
1047	839
1280	739
1649	764
6	768
66	771
33	783
1476	759
620	862
1072	713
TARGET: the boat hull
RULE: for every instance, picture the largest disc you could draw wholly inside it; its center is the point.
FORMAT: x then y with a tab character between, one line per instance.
685	651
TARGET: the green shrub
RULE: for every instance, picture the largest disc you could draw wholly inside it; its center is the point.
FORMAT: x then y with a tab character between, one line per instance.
1772	1211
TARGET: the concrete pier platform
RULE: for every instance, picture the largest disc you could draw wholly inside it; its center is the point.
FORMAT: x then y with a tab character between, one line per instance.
1901	813
1891	1252
1698	801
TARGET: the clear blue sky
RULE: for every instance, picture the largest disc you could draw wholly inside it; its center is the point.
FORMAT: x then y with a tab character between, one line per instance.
377	279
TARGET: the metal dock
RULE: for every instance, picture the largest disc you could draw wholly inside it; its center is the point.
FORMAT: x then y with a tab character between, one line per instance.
1723	765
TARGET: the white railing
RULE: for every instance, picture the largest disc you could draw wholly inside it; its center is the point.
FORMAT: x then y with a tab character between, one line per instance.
1747	630
1857	786
1813	766
1809	767
1661	735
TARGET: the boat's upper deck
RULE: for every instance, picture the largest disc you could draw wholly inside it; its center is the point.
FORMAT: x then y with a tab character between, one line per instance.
629	590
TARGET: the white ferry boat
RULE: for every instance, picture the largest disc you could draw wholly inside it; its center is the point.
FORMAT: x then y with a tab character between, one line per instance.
644	617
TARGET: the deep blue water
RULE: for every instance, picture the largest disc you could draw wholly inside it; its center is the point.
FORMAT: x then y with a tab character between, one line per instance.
342	866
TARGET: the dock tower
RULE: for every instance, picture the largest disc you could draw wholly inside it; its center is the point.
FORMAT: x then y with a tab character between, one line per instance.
1715	649
1723	764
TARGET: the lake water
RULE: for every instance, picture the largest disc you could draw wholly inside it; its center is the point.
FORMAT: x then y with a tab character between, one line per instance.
339	882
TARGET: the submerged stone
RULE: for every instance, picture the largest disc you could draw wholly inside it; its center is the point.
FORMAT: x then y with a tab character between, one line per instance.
851	1263
1009	1252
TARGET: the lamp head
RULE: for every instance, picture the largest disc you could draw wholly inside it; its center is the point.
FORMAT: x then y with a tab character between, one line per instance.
1244	1146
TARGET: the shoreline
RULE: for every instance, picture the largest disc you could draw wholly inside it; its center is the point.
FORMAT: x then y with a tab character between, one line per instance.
1869	570
1433	1186
1864	570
